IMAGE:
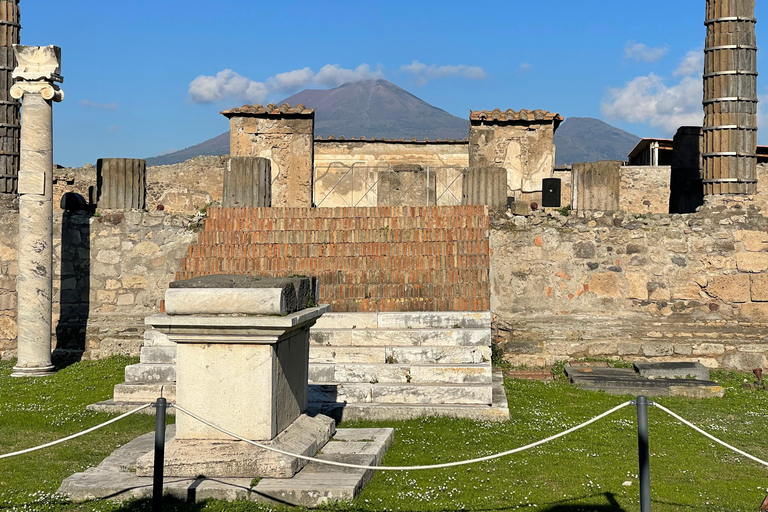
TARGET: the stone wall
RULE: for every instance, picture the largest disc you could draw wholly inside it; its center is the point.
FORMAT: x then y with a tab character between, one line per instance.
644	189
110	271
347	171
638	287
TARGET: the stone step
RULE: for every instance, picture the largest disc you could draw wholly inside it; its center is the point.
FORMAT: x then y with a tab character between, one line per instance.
153	338
402	373
150	373
408	393
144	392
405	320
400	355
399	337
161	354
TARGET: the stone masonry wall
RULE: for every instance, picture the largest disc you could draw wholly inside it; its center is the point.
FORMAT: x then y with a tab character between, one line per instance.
644	189
110	271
661	287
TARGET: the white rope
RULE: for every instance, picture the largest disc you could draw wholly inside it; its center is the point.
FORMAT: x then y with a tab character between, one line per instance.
710	436
73	436
407	468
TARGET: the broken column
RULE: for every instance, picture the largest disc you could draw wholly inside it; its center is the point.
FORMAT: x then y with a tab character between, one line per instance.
730	98
522	142
285	136
121	183
242	363
39	67
247	183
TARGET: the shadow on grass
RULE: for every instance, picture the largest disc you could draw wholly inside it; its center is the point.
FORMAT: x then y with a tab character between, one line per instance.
611	506
170	504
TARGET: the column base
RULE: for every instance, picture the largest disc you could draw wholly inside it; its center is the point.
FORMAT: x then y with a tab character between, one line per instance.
33	371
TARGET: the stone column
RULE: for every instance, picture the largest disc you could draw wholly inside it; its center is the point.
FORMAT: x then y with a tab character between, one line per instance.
39	67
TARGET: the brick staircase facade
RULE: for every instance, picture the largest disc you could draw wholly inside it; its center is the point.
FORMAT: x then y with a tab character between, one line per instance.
376	259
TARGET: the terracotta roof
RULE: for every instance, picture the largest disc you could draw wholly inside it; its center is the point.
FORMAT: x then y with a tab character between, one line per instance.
414	140
512	115
269	110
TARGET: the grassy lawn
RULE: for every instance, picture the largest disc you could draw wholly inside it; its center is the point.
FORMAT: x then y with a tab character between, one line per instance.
591	470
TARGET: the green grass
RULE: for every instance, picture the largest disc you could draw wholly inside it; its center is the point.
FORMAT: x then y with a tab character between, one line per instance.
584	471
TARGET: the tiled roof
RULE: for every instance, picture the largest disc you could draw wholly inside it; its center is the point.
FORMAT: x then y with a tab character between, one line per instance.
271	109
512	115
332	138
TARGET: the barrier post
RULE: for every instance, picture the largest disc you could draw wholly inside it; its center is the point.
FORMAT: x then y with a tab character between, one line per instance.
643	454
157	480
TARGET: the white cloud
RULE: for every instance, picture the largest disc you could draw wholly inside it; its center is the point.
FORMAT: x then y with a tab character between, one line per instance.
649	99
643	53
332	75
692	64
227	84
423	73
101	106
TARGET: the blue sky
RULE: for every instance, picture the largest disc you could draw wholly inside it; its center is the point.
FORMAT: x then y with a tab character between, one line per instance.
147	77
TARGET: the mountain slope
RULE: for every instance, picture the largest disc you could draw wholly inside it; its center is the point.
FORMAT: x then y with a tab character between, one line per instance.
371	108
585	139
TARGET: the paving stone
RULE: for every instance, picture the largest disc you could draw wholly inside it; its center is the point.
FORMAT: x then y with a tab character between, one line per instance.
672	370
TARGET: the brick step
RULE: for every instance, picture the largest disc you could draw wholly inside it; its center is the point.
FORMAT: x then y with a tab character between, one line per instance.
409	320
244	237
364	212
408	393
480	373
399	337
338	250
158	354
374	277
400	355
141	392
344	264
150	373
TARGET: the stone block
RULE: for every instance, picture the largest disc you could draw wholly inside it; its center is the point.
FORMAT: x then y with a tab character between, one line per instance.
435	320
139	281
347	321
371	373
638	286
126	299
730	289
159	354
145	248
602	348
8	301
657	349
752	261
215	301
685	290
605	284
144	393
696	392
459	394
628	349
753	241
708	349
452	374
744	361
755	311
759	287
105	297
438	355
683	350
321	372
348	355
400	337
150	373
672	370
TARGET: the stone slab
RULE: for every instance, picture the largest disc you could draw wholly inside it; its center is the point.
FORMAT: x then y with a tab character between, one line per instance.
236	459
405	393
224	301
247	325
400	337
165	354
348	321
312	486
435	320
150	373
143	393
672	370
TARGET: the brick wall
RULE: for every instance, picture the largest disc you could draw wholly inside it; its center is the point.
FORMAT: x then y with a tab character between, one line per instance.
366	259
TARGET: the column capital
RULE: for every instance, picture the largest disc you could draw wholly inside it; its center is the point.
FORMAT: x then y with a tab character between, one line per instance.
49	91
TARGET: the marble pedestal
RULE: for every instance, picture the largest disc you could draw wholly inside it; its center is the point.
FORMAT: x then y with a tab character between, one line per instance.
247	374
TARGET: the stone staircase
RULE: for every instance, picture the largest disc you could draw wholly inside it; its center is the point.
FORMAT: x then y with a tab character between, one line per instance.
367	365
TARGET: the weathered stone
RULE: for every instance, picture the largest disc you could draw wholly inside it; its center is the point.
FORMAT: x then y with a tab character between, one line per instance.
708	349
753	241
752	261
744	361
731	288
755	311
217	301
657	349
605	285
759	287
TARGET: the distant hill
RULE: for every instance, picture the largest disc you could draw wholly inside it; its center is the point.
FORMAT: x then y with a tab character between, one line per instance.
377	108
585	139
371	108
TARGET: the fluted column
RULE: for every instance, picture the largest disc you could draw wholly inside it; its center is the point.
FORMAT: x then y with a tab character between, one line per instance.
38	69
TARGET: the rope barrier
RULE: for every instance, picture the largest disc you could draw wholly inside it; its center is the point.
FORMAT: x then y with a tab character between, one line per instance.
708	435
408	468
73	436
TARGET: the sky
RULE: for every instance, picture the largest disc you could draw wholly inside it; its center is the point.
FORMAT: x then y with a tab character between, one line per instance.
148	77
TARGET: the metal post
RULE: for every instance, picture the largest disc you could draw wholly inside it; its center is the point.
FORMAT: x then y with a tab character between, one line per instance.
157	481
643	453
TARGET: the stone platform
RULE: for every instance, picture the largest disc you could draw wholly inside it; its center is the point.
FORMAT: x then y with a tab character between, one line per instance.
116	478
684	379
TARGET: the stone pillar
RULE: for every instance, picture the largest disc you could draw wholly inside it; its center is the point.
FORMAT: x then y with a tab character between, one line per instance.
485	186
39	67
121	183
521	142
247	183
285	136
730	98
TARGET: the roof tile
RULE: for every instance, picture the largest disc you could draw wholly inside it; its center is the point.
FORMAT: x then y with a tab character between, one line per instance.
269	110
